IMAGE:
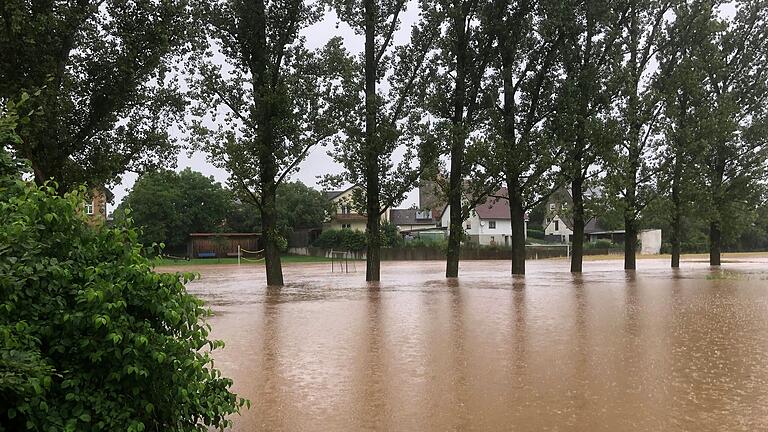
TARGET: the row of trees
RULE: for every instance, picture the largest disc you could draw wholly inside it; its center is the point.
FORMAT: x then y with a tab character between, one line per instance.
653	100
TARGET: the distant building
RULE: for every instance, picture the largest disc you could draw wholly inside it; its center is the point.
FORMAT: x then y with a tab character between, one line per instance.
345	216
558	219
96	204
411	219
430	197
489	223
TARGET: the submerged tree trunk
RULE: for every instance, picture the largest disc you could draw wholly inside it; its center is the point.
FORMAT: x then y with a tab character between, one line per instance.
458	138
456	228
577	249
715	243
373	206
630	243
517	213
272	261
677	214
630	222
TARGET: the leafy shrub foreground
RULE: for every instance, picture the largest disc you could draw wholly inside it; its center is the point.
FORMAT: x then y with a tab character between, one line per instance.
92	338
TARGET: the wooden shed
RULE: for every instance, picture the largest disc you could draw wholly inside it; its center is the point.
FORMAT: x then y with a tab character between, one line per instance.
221	245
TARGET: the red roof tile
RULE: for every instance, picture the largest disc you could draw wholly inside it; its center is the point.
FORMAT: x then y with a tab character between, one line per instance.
495	208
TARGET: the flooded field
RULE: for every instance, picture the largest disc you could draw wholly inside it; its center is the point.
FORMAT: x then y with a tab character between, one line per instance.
657	350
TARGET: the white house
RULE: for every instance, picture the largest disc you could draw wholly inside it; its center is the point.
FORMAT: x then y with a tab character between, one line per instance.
489	223
560	228
345	216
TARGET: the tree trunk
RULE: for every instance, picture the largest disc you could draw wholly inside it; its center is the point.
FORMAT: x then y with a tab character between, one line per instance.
373	206
677	214
456	229
715	243
272	261
517	212
630	243
577	249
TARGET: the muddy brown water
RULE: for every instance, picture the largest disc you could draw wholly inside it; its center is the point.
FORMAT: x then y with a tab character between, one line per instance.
654	350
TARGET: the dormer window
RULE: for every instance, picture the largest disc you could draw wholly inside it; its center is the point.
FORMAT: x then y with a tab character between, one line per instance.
89	208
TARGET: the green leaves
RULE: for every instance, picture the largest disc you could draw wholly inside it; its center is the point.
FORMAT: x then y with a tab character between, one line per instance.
93	339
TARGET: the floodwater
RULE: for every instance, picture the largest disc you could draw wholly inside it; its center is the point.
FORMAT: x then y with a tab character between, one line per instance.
654	350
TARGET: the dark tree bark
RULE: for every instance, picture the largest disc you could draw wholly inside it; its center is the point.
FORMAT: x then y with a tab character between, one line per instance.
677	214
715	243
577	249
272	260
373	206
630	243
458	138
517	212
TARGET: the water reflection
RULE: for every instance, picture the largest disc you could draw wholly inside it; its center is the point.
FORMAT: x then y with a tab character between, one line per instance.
655	349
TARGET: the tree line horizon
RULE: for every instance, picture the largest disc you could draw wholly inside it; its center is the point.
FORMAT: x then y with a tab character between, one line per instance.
661	103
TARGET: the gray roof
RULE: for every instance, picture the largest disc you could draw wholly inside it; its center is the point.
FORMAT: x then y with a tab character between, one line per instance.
407	217
329	195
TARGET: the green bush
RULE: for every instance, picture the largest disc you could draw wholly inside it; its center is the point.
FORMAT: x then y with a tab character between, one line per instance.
93	338
536	234
601	244
344	239
390	236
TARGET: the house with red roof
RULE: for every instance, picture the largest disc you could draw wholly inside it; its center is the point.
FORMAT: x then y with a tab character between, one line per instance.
489	223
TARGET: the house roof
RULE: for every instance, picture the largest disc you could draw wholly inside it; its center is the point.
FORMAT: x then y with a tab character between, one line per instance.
495	207
331	195
408	217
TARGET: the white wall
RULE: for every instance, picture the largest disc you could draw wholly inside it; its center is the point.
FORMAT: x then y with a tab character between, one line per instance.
479	228
650	242
562	230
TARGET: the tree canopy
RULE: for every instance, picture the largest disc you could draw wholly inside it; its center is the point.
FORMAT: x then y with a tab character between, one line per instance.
168	206
105	71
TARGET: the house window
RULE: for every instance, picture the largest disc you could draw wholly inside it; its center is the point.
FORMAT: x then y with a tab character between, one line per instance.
346	226
557	225
89	208
492	225
552	206
345	209
469	225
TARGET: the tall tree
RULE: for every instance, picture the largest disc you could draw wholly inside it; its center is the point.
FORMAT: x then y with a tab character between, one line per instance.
630	166
463	57
525	81
678	82
733	160
389	119
108	85
272	93
582	123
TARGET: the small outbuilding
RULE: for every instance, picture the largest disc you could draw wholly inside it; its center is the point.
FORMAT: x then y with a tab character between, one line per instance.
221	245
